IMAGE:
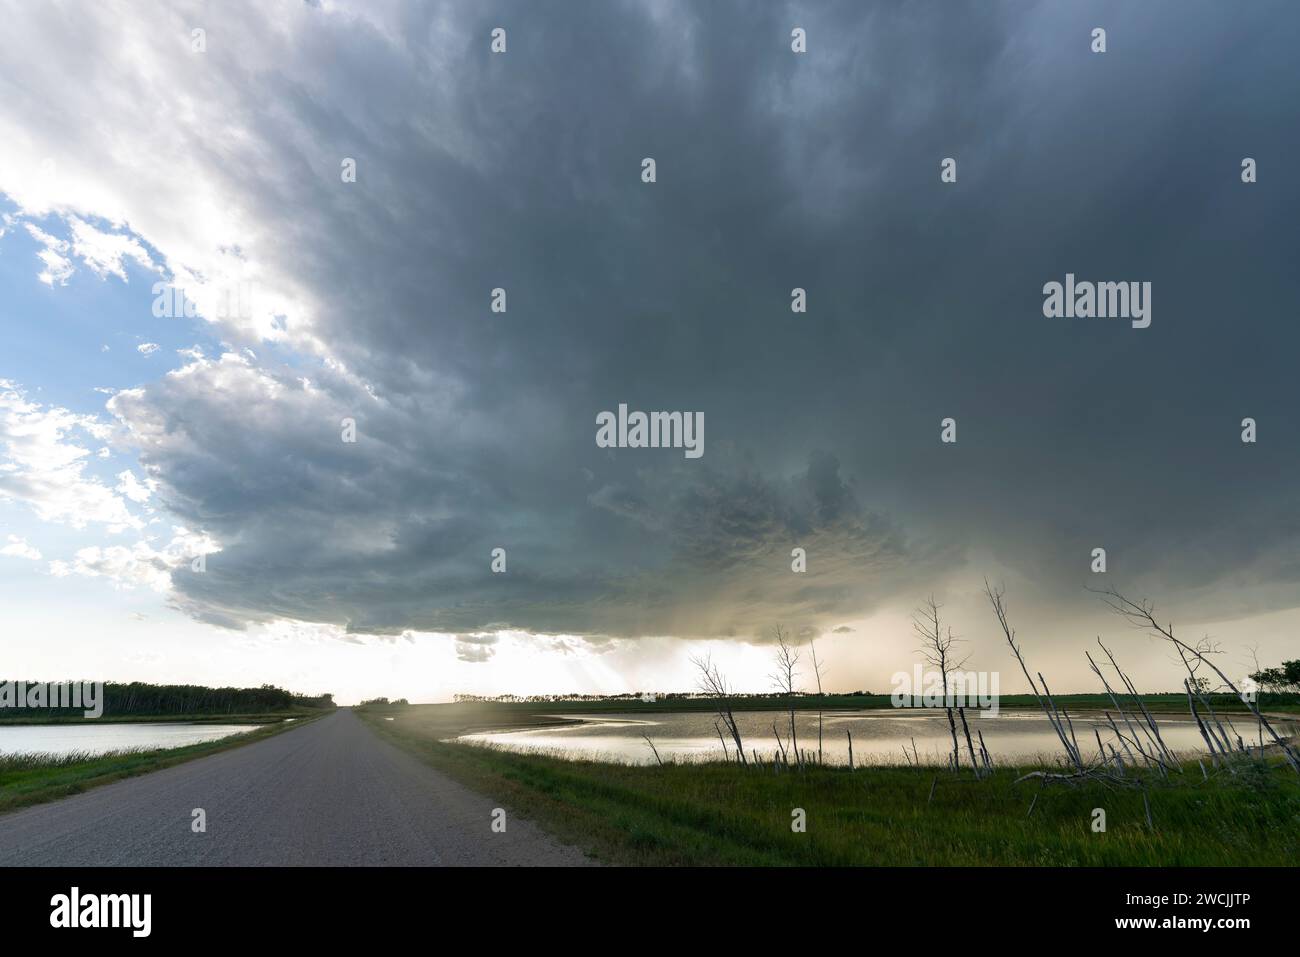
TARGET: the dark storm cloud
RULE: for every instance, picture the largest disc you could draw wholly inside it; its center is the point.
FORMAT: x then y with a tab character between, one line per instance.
774	171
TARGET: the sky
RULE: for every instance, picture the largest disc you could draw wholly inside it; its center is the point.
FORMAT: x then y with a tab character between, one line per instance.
178	500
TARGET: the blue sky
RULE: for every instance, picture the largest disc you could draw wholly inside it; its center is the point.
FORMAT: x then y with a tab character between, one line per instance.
41	321
53	339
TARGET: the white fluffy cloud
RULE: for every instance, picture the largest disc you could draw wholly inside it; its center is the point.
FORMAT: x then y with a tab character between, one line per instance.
56	266
130	486
18	547
140	564
42	464
105	252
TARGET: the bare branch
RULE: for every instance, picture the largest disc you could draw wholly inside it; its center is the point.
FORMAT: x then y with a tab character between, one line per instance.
1142	615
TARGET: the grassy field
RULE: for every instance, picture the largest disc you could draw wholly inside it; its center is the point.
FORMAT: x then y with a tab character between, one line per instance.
722	814
33	779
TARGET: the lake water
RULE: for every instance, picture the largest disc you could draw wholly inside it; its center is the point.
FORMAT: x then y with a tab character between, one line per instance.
95	738
879	737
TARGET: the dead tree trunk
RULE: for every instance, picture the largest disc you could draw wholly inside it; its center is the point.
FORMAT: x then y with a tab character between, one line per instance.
725	754
714	685
969	746
936	645
1071	748
1143	615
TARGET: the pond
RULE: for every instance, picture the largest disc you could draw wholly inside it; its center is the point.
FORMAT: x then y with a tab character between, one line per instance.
93	737
879	737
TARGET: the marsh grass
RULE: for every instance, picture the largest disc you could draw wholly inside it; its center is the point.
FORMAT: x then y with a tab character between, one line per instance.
42	761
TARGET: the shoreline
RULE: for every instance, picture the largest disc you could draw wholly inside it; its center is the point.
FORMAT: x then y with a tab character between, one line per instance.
717	813
505	717
25	781
1289	721
239	718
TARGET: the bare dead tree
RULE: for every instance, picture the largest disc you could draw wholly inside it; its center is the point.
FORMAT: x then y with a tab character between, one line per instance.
817	672
654	749
1064	730
1259	669
1200	725
787	662
970	747
1142	615
1150	725
936	650
714	685
1159	754
1202	687
780	744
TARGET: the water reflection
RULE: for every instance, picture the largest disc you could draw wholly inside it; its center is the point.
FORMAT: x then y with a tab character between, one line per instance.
96	738
879	737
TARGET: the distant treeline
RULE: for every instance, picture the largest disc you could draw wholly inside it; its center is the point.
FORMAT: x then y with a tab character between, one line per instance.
639	696
139	698
688	701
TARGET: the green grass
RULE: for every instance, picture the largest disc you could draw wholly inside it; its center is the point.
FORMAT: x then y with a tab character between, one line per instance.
27	779
721	814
